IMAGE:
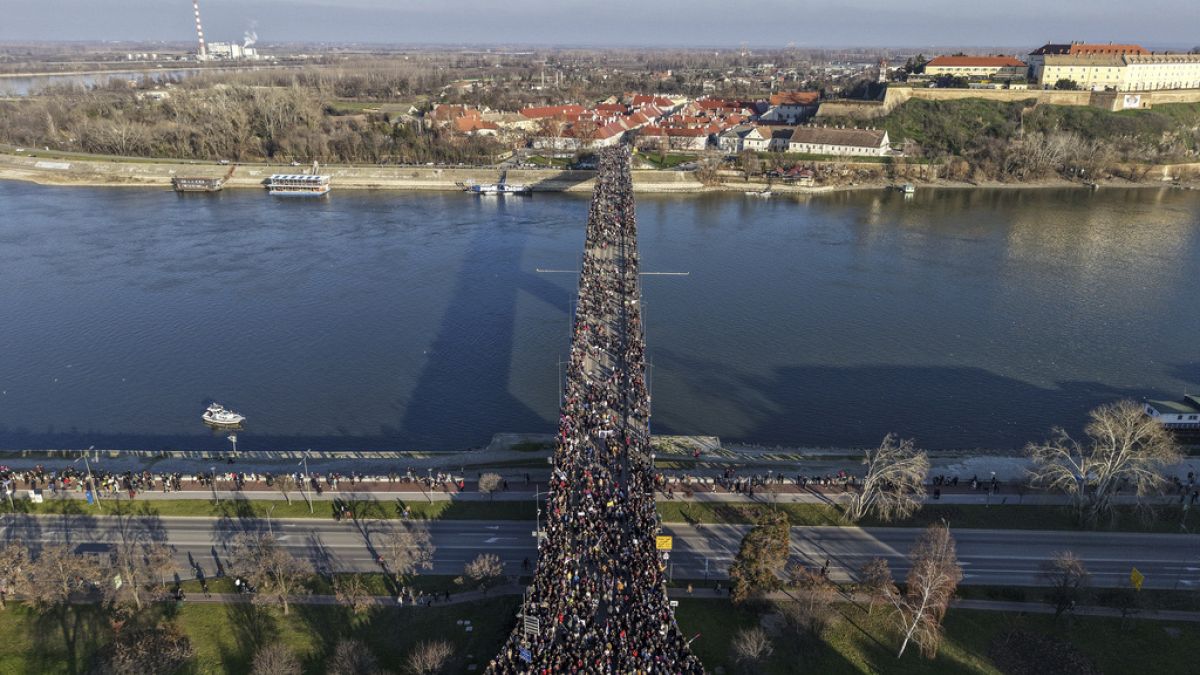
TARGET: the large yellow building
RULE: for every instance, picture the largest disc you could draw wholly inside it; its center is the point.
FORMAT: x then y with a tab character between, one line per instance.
1145	72
1089	72
1113	67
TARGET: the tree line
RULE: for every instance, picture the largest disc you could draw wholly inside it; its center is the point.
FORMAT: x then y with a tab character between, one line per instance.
62	583
1123	451
232	122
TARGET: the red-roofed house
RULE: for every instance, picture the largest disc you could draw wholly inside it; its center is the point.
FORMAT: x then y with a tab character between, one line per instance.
475	126
792	107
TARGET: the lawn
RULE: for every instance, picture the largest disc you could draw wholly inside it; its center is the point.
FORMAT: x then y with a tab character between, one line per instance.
858	643
225	637
669	161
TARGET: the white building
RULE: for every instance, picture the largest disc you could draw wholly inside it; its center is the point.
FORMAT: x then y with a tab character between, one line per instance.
1100	67
839	141
974	67
230	50
1183	414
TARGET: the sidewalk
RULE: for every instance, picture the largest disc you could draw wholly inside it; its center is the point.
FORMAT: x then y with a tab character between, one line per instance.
710	594
520	491
981	605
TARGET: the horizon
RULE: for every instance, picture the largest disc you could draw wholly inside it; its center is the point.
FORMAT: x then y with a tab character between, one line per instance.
620	24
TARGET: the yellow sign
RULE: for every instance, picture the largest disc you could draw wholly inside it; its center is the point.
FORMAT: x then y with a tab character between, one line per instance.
1136	578
663	543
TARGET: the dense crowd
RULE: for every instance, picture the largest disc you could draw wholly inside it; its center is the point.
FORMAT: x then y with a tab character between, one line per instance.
599	592
75	478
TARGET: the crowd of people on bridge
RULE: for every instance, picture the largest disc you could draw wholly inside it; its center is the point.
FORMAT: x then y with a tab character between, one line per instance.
599	594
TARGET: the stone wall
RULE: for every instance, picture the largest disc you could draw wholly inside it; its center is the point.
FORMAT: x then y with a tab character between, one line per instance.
1107	100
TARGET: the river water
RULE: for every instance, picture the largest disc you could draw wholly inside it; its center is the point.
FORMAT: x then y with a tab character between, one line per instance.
377	320
27	84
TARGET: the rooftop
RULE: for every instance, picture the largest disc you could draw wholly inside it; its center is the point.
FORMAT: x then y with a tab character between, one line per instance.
1085	48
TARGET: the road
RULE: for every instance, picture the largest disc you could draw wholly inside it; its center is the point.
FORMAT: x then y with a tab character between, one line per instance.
989	557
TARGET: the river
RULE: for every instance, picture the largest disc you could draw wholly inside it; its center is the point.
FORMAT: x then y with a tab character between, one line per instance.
380	320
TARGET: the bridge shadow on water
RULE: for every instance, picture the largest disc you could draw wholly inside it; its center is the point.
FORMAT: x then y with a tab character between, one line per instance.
469	369
856	406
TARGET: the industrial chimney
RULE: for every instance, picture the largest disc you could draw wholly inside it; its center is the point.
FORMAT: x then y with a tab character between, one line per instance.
201	55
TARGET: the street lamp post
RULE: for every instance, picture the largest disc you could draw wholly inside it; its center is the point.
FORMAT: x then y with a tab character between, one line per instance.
90	478
307	497
213	476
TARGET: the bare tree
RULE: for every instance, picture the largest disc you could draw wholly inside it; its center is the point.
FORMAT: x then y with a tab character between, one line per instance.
810	611
752	646
14	569
1125	447
276	658
284	483
875	579
894	487
351	657
160	649
931	583
484	569
407	549
1068	579
429	658
489	483
260	560
352	591
59	575
138	564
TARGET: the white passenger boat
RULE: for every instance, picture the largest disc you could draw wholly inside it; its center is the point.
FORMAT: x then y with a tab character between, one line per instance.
218	416
298	185
497	188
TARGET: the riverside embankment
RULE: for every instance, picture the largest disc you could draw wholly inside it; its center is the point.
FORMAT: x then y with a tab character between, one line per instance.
84	170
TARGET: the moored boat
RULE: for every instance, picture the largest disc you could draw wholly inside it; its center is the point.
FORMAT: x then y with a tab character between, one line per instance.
219	416
196	184
497	188
298	185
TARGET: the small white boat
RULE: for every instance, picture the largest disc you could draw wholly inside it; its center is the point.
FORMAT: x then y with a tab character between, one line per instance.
217	415
759	193
908	189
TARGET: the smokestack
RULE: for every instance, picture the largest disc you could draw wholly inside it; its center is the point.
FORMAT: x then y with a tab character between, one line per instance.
249	38
203	53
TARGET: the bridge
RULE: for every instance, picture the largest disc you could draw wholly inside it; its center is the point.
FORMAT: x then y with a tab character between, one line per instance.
598	601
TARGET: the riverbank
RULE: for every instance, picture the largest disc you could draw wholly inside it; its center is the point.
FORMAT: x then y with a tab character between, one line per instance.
90	171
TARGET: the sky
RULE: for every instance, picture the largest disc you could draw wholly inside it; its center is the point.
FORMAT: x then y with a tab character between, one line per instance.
1161	24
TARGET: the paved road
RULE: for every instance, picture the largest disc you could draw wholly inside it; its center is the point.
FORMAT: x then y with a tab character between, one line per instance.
993	557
